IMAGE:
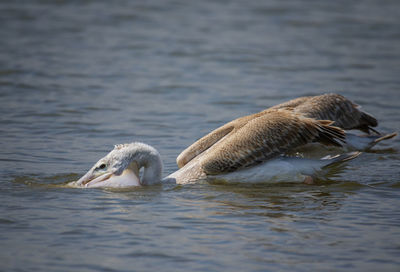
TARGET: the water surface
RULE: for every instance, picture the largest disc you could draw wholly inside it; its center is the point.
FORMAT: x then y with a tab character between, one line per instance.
77	77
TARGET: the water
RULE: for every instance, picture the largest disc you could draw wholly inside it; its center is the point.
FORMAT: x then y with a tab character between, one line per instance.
77	77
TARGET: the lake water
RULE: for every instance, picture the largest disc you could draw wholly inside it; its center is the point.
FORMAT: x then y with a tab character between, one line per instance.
77	77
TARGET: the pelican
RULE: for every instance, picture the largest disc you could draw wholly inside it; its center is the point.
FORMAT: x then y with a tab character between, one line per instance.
252	148
254	151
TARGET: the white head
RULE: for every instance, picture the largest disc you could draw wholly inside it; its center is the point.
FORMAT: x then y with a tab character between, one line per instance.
120	167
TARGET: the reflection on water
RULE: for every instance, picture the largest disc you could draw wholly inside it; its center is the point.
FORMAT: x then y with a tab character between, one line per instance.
77	77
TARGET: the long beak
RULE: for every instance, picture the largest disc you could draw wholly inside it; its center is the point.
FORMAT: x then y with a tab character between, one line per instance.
89	177
126	179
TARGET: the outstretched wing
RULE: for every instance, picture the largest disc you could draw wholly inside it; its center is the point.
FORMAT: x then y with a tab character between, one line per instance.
344	113
265	136
335	107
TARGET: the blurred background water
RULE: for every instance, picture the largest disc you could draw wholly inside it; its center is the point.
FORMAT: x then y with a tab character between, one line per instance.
77	77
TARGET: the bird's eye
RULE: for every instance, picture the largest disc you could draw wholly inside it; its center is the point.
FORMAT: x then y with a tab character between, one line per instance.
102	166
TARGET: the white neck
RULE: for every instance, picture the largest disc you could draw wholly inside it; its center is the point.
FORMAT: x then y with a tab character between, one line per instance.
152	171
150	160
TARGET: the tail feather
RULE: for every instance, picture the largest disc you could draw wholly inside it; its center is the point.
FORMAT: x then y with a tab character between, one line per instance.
332	160
385	137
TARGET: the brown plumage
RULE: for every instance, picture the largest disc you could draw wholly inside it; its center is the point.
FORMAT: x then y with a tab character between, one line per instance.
345	114
255	138
265	137
250	139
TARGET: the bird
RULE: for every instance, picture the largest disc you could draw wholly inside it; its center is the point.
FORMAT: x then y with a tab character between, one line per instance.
255	145
253	148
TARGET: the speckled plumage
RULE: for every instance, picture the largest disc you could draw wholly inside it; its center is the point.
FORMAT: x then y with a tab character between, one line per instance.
265	137
256	138
344	114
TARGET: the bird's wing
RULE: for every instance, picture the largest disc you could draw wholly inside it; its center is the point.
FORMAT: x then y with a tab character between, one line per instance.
265	136
210	139
335	107
202	144
291	103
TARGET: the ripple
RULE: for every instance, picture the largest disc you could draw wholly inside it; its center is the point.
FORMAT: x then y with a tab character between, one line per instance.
91	74
6	221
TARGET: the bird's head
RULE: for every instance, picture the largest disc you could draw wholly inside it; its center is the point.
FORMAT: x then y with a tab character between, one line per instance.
120	167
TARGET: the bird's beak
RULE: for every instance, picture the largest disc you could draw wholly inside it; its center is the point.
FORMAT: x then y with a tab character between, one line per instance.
109	179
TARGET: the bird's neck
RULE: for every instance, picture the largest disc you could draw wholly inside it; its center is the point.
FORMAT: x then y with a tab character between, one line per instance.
152	167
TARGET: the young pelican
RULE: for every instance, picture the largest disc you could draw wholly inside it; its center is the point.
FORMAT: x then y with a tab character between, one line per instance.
252	148
251	151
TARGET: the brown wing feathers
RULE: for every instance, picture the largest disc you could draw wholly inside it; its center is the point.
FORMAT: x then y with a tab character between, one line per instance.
257	137
202	144
211	138
267	136
330	135
335	107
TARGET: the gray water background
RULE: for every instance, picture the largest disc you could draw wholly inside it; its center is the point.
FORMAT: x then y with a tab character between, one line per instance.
77	77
